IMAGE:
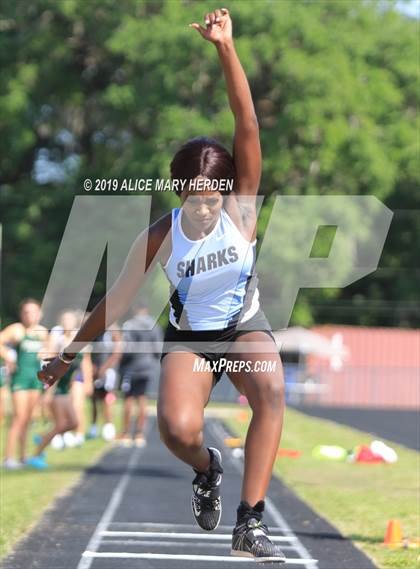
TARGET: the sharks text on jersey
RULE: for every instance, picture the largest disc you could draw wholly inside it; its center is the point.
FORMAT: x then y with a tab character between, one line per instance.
207	262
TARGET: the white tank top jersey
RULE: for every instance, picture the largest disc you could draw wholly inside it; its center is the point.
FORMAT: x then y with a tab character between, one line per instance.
212	280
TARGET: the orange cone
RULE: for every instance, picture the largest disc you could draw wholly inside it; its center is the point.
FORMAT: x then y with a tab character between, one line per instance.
393	536
233	442
243	416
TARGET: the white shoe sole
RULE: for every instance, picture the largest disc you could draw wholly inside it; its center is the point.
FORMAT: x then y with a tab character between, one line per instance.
237	553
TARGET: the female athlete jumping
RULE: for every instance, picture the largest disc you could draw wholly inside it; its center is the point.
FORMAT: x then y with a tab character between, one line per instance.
207	250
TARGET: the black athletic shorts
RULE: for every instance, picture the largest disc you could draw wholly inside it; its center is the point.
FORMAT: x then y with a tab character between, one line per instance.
212	345
134	385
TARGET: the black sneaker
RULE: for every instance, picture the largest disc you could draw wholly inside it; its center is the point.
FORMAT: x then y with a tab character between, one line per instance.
250	536
206	503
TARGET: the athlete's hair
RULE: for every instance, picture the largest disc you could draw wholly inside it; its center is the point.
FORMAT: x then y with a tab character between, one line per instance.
25	301
203	156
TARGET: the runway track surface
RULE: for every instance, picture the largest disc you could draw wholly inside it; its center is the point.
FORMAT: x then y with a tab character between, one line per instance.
132	511
402	426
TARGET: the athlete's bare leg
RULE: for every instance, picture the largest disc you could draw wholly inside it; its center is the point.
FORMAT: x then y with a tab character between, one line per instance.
265	393
23	403
3	396
32	400
127	414
183	394
45	404
107	407
96	401
141	413
64	420
18	420
78	397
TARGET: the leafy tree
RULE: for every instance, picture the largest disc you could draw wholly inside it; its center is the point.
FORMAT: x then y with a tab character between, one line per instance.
101	89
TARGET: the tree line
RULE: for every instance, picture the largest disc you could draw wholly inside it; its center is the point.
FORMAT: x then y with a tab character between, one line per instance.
101	89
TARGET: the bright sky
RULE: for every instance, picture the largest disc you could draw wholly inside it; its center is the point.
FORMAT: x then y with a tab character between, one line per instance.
411	8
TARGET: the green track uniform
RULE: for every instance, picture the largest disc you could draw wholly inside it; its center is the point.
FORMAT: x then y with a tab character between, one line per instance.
64	384
27	365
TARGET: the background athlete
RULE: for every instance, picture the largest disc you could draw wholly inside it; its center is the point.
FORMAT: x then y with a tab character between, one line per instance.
207	249
20	346
136	369
63	413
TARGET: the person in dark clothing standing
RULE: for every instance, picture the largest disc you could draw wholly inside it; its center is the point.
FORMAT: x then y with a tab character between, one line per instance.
141	351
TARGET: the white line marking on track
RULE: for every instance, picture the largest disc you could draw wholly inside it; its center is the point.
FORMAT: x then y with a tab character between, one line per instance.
220	433
278	518
197	536
185	527
116	497
218	558
160	543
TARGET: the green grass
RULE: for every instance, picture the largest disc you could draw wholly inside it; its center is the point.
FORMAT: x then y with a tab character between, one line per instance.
25	494
358	499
